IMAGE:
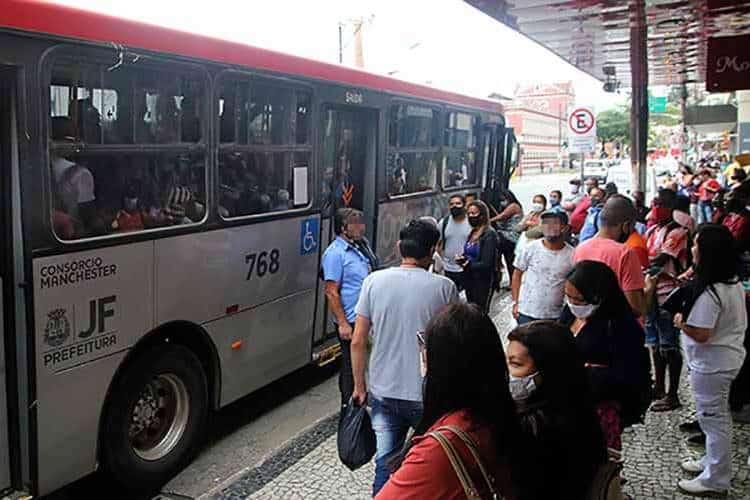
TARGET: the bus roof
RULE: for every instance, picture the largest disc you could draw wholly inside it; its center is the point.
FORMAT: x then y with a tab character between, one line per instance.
44	16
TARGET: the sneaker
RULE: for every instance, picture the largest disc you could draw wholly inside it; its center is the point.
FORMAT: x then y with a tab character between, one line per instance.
691	427
694	487
697	440
692	466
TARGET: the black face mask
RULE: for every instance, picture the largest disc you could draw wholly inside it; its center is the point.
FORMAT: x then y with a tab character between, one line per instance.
475	221
457	211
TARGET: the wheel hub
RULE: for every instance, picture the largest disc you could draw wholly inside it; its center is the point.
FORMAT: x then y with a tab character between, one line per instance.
159	417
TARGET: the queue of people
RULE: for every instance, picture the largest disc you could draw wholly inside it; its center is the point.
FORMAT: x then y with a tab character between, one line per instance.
603	327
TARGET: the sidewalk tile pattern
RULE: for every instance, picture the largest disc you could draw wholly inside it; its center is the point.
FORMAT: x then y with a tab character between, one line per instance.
308	468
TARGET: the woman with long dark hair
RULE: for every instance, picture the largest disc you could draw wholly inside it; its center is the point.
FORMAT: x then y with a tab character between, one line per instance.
713	324
611	343
466	387
479	257
511	213
560	427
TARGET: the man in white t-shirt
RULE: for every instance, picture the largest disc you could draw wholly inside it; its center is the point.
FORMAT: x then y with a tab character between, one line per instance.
394	304
75	191
540	272
455	230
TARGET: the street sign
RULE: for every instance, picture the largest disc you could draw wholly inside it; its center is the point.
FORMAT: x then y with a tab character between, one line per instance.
657	104
582	131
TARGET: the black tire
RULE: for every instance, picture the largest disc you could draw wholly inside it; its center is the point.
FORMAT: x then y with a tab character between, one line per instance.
120	458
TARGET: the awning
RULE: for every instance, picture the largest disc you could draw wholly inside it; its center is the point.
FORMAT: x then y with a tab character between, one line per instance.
595	34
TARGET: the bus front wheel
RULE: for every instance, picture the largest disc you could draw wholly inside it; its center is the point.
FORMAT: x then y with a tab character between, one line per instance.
155	417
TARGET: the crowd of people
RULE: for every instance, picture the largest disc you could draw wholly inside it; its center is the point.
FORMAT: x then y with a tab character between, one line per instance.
611	297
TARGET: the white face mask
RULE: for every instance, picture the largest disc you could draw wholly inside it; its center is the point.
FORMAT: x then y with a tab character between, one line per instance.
582	312
522	387
573	189
537	207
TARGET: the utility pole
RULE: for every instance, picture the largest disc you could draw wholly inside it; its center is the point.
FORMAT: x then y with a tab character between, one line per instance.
359	57
341	42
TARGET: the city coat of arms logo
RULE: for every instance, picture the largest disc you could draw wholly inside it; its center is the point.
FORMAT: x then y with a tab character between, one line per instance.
57	330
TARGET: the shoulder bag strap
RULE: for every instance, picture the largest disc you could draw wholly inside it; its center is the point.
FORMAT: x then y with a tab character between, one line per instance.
471	445
458	466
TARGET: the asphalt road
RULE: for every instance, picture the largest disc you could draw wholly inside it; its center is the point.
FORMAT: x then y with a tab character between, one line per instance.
251	429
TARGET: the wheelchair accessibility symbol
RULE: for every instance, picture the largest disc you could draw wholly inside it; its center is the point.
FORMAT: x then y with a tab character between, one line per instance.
308	239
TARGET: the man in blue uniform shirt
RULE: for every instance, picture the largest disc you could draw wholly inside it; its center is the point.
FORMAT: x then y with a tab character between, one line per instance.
346	263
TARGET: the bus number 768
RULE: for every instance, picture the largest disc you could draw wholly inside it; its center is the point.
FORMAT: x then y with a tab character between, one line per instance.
262	263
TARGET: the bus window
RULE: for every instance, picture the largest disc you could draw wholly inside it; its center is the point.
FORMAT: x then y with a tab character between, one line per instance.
460	150
411	128
167	111
459	169
264	136
97	192
258	182
411	172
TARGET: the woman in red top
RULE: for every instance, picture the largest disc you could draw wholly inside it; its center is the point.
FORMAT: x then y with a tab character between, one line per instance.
466	386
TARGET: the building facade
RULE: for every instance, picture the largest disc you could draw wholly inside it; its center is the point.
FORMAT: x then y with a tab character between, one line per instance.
537	115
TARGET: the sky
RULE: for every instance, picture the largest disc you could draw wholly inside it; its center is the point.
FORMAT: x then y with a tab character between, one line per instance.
445	43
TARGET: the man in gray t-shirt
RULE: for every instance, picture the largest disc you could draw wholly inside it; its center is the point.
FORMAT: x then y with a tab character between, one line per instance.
455	230
393	306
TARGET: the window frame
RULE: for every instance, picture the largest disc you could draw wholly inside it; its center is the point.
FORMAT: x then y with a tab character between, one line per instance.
290	148
435	149
95	56
477	149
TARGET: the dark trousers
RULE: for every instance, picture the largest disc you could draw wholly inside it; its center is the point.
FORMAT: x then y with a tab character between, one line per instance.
479	290
508	250
457	279
346	376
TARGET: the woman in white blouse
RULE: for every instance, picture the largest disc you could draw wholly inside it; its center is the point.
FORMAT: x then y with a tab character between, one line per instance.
713	331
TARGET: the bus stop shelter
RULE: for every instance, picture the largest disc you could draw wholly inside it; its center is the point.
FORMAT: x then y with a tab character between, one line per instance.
636	43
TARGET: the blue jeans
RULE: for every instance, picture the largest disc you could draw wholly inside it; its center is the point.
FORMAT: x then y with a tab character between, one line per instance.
391	420
661	332
705	212
523	319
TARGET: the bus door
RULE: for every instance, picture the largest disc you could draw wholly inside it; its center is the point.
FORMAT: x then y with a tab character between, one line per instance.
8	176
349	148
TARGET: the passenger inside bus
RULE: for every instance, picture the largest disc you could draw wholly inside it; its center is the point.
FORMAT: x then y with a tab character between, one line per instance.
74	196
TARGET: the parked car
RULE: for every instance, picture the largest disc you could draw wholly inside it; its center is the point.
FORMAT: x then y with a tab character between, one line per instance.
596	169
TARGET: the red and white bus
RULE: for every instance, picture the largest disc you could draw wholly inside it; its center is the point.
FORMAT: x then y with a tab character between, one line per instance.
164	201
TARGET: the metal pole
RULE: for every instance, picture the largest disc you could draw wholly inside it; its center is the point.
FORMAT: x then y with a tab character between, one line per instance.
639	96
341	43
684	131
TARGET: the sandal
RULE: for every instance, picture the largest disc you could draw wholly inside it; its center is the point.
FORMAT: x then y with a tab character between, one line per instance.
666	404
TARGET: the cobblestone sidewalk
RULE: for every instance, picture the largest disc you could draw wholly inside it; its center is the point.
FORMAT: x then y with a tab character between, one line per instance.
308	467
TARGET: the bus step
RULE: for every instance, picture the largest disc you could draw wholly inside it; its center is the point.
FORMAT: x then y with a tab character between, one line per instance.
327	355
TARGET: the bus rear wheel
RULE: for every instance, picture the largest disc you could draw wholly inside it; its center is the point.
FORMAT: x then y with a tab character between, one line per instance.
155	417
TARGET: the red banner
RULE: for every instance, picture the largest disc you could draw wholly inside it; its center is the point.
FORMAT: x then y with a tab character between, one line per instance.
728	64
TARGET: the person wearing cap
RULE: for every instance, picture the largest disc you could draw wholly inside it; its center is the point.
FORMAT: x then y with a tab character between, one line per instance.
570	202
540	272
